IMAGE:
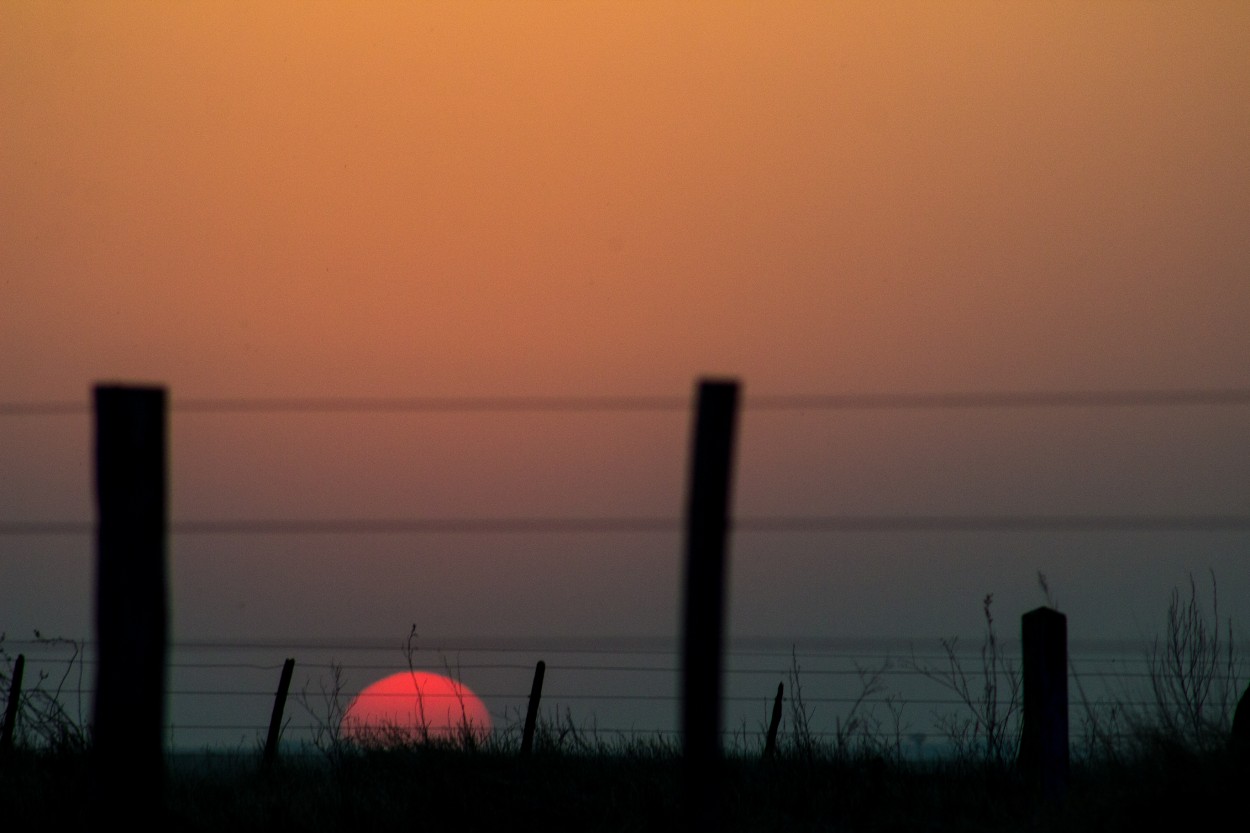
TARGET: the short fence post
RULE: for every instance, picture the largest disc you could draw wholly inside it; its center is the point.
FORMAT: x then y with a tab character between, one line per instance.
1240	738
279	705
531	713
127	769
11	710
707	522
770	743
1044	735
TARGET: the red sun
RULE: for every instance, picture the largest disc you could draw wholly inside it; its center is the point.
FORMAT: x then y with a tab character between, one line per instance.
414	706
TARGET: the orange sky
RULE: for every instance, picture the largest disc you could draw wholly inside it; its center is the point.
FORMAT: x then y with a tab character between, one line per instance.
617	197
422	199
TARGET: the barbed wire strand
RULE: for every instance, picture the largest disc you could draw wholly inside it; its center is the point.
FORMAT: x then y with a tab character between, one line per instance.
599	526
637	403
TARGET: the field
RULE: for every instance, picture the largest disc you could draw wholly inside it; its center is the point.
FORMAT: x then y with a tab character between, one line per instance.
638	787
1174	764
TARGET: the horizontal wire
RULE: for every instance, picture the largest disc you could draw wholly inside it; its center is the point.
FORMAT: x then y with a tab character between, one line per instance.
646	698
593	733
489	404
935	675
774	525
558	697
994	523
277	405
435	526
909	739
1004	399
381	526
1094	656
813	402
1128	656
633	669
376	644
296	647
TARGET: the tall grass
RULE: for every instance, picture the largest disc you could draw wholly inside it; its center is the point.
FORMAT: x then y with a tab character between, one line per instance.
47	717
1195	674
1194	679
987	727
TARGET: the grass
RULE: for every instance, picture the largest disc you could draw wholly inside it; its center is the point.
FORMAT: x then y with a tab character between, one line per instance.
634	787
1164	763
45	719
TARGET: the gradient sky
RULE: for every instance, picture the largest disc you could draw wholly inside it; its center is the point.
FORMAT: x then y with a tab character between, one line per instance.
496	199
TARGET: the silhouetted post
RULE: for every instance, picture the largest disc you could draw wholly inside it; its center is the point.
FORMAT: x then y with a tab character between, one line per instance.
1044	735
770	743
131	607
10	711
1240	739
279	705
531	713
707	522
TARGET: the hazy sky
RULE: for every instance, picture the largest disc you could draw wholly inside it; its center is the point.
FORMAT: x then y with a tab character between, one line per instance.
497	199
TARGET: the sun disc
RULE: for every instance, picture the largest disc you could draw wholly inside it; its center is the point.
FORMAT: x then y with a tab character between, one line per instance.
413	706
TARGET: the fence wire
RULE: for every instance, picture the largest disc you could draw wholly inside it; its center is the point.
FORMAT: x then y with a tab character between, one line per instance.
1138	398
206	699
830	685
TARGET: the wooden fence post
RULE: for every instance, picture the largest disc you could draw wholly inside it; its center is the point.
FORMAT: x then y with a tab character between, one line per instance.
770	743
127	770
531	713
707	522
1044	735
275	719
1240	738
14	703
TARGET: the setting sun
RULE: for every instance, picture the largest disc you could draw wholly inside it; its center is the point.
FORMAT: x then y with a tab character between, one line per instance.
413	706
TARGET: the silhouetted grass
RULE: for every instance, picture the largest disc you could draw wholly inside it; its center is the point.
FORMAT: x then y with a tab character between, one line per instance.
1166	765
637	787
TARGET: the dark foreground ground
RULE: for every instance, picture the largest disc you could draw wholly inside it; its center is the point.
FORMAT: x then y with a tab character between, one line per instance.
454	790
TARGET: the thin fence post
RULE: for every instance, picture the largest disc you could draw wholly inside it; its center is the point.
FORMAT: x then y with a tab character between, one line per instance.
531	713
1240	738
1044	754
12	709
707	522
770	742
131	616
279	705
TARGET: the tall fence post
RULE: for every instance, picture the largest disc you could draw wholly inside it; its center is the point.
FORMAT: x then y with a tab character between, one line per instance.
531	713
13	707
707	522
275	718
131	615
1044	735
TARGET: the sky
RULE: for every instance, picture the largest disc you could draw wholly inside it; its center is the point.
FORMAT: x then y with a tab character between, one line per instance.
292	200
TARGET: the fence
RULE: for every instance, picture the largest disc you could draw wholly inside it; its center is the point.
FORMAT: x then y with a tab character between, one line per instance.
1151	522
221	693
